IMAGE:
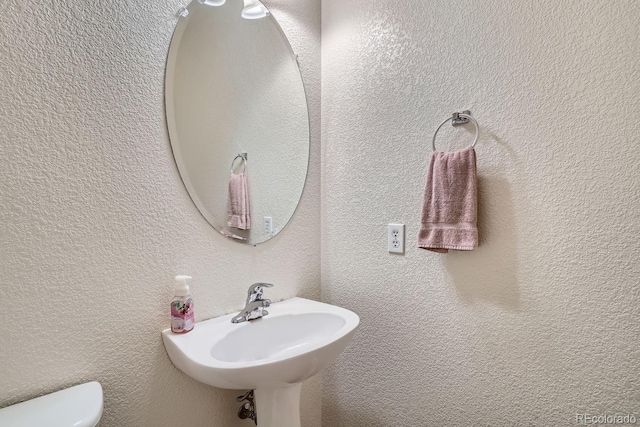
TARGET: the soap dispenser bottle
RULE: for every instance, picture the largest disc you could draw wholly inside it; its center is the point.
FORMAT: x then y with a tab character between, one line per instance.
182	315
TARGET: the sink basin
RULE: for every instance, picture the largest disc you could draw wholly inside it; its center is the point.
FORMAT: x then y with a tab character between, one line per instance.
278	337
271	355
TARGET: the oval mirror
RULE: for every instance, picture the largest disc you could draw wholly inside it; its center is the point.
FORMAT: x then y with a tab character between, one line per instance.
237	118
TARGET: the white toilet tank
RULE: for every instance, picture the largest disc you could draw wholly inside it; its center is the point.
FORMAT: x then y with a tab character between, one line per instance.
79	406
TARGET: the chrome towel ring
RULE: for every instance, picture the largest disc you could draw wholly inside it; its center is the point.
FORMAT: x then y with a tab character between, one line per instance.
242	156
458	119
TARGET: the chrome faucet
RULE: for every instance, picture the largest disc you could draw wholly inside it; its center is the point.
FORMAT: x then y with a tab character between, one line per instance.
255	306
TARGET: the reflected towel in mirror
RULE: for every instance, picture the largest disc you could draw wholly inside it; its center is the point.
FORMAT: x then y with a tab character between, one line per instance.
238	214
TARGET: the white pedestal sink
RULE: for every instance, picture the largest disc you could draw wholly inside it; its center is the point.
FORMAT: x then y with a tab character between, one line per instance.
271	355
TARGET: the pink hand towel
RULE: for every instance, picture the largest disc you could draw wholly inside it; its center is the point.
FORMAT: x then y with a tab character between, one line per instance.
450	206
238	215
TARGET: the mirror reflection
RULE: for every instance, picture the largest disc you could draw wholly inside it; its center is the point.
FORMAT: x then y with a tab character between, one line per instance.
237	117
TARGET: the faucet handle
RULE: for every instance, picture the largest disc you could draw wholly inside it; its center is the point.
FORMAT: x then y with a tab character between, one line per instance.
256	288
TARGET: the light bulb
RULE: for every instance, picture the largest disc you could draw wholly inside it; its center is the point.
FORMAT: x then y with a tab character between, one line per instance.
254	9
212	2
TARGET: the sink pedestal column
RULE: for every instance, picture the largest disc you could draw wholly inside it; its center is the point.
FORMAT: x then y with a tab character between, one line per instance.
278	407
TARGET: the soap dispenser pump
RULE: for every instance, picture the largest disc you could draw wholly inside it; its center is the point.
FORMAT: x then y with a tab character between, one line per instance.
182	315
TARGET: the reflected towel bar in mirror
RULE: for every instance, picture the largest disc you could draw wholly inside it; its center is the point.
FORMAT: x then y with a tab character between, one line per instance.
243	157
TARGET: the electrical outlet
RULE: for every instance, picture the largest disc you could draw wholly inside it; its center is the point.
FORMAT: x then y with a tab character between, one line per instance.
268	225
395	238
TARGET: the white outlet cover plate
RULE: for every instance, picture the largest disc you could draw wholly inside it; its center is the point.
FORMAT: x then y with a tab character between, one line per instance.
395	238
268	225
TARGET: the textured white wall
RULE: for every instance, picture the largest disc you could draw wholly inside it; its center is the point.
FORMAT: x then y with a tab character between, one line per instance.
96	221
542	321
